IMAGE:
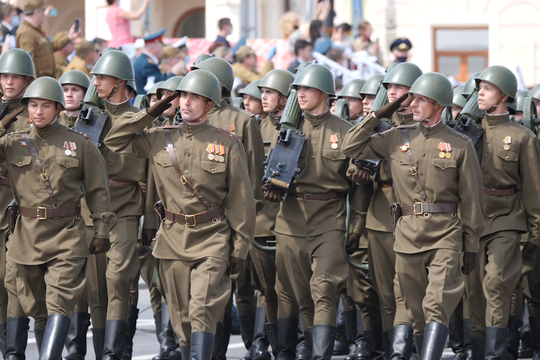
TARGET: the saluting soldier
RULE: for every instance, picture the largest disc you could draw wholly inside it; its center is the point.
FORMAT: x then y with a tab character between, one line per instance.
213	200
50	164
369	93
167	88
508	155
436	177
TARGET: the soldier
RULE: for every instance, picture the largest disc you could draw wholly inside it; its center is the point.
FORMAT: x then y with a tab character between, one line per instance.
74	83
310	225
351	92
369	92
113	71
16	73
458	101
430	235
86	56
251	96
520	99
506	153
152	99
167	88
51	272
246	65
195	255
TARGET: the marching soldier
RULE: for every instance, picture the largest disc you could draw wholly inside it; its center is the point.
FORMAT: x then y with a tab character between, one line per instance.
113	71
458	101
351	92
508	155
434	173
369	93
251	96
74	83
49	165
214	199
167	88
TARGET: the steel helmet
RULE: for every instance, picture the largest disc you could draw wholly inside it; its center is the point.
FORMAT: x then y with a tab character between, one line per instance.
502	78
404	74
153	90
221	69
17	62
203	83
116	64
435	86
352	89
318	77
252	90
520	99
371	87
75	77
470	85
170	84
459	99
46	88
279	80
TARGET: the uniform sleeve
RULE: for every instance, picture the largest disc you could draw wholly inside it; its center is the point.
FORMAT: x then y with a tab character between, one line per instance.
151	199
360	144
240	204
471	198
26	43
127	136
254	149
529	165
359	201
96	185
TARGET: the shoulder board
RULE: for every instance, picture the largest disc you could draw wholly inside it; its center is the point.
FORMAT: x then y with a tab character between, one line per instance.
169	127
523	128
225	132
406	127
242	111
78	132
19	132
458	134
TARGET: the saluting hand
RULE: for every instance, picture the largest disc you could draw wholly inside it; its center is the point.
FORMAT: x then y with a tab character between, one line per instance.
99	245
236	265
352	243
469	262
387	110
159	107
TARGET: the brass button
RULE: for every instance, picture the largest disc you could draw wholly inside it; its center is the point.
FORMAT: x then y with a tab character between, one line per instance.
42	155
485	155
20	162
506	157
164	163
67	164
314	143
313	156
213	170
444	166
186	172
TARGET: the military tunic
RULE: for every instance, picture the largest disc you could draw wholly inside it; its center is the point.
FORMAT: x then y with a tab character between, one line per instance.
33	40
430	241
193	259
77	64
60	65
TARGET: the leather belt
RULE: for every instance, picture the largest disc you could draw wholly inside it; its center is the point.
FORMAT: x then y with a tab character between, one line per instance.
421	208
384	184
43	213
193	220
321	197
499	192
4	180
121	183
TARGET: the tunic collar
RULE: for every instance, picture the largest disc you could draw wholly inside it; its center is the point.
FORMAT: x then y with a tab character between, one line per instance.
46	131
117	109
194	129
400	119
428	131
317	119
491	120
14	104
274	119
222	105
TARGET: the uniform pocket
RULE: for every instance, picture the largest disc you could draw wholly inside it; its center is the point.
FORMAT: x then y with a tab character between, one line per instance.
68	162
20	161
213	167
163	159
444	164
333	154
507	155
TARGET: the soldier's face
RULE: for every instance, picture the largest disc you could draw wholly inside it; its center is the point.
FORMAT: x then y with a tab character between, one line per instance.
13	85
456	110
356	108
310	99
424	108
489	96
368	103
174	104
395	91
74	95
252	104
194	106
153	99
105	85
270	100
42	112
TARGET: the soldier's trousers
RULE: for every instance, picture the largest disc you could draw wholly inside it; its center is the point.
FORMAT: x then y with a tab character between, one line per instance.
432	285
51	288
122	266
95	290
245	294
264	266
490	286
382	268
147	272
317	272
197	293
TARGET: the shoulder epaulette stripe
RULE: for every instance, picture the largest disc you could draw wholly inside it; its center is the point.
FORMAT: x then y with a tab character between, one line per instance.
457	133
225	132
78	132
19	132
169	127
406	126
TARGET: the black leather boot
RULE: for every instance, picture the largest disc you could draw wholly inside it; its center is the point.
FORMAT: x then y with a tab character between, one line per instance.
157	322
341	345
259	346
16	338
354	328
526	346
374	343
201	346
534	321
403	341
387	339
38	334
287	336
3	339
115	339
133	315
457	340
303	347
350	327
512	341
478	346
496	342
467	339
167	336
322	337
271	334
184	352
419	344
98	339
221	340
247	328
76	337
361	351
55	336
435	335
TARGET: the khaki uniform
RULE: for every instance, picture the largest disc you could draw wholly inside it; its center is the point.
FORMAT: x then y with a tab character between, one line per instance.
194	260
51	270
67	121
248	76
310	233
34	41
60	65
431	242
127	202
77	64
499	258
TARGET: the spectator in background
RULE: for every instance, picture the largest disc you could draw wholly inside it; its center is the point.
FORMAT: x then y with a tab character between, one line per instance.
288	27
119	21
170	57
341	38
315	31
101	44
304	52
245	66
400	49
63	48
225	29
85	58
223	52
11	20
363	41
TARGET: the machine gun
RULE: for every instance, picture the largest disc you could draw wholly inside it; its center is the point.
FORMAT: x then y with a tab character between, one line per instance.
342	110
530	116
93	117
466	122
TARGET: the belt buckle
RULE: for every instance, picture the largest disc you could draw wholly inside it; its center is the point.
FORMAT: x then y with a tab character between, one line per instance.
421	212
414	171
183	180
39	216
188	224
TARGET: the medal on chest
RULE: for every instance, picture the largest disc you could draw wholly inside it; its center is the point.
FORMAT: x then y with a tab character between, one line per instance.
70	148
230	128
216	152
507	141
445	150
334	141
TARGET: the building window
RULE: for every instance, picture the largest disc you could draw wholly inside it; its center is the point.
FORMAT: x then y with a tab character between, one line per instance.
191	24
460	52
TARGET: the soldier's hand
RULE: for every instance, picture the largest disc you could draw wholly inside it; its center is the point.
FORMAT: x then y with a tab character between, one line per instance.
469	262
8	119
352	243
99	245
529	249
236	265
361	176
272	195
148	236
387	110
159	107
142	185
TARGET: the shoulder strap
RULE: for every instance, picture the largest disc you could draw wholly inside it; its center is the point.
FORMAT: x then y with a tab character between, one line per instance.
414	171
42	173
185	182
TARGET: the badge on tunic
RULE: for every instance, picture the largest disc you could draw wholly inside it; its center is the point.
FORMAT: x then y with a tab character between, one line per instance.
211	150
70	148
334	141
23	144
445	150
230	128
220	153
507	141
404	147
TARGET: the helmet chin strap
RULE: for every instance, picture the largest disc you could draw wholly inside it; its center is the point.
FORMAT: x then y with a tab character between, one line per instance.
494	107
